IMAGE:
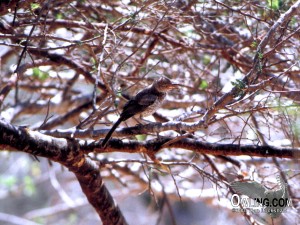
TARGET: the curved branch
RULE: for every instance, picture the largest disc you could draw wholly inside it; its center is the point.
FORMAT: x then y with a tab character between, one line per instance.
66	152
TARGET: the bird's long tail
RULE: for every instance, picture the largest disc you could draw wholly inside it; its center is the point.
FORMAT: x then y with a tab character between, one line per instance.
110	132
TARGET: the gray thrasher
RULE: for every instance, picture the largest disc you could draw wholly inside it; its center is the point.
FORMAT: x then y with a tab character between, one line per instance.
145	103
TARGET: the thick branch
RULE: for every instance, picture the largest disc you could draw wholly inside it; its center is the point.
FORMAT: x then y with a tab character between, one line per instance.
153	146
67	153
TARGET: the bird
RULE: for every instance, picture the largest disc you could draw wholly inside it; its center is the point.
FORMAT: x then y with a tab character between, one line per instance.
144	103
261	194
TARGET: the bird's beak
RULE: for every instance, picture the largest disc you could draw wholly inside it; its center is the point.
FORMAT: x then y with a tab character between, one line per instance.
174	86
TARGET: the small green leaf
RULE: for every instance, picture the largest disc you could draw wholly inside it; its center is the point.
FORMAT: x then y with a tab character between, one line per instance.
93	61
37	73
29	187
59	16
260	55
119	93
274	4
141	137
206	59
203	85
253	44
8	181
34	6
240	86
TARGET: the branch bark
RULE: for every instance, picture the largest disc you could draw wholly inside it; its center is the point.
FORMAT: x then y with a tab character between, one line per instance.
66	152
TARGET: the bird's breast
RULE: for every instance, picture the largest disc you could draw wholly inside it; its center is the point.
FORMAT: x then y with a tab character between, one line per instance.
153	108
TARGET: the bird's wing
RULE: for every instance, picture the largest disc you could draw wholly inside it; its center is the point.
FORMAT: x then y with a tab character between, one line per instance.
251	189
131	108
147	100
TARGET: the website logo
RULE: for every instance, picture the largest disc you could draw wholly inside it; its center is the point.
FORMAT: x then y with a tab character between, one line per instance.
260	199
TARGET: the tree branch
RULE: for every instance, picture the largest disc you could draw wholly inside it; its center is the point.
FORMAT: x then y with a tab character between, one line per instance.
66	152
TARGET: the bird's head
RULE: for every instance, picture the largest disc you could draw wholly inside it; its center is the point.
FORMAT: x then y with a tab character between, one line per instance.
164	84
